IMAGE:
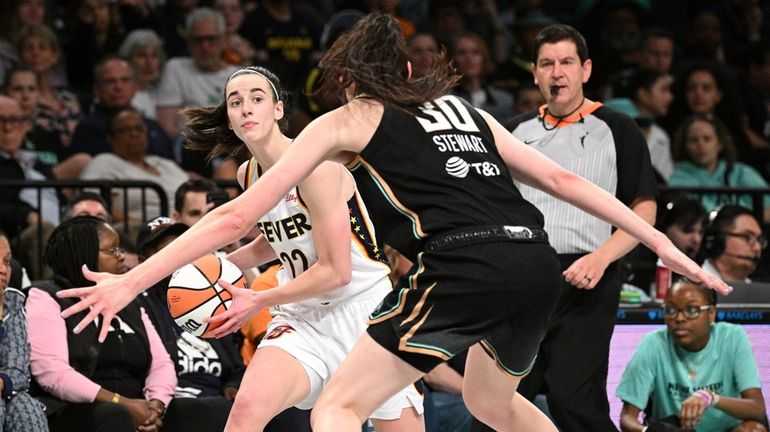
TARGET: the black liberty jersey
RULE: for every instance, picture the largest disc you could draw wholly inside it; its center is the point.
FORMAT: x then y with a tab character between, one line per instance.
439	170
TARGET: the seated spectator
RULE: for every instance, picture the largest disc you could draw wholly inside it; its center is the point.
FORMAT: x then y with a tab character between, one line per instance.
423	52
21	84
472	58
59	109
238	51
194	198
733	244
114	89
208	369
19	208
694	373
195	81
87	204
656	50
18	410
123	383
15	14
93	31
651	93
683	220
129	160
143	50
705	156
528	98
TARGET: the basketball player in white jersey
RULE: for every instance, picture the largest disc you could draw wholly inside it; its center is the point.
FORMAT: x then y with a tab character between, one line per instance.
333	272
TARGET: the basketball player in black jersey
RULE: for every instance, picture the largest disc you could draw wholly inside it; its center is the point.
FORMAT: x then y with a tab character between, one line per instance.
439	182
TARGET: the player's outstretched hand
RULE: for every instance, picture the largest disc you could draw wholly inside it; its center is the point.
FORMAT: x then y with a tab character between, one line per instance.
245	304
110	294
678	262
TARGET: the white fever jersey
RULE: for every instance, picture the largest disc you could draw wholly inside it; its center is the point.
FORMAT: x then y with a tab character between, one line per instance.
289	230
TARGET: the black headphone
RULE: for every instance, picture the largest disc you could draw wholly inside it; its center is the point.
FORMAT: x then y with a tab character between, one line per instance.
719	219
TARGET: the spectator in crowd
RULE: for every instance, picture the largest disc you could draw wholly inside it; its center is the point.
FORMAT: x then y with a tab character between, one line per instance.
124	383
657	50
14	14
682	219
238	51
705	153
527	98
195	81
92	31
607	148
114	89
472	59
18	410
703	39
143	50
59	109
87	204
21	84
173	29
710	89
693	374
517	72
286	40
733	244
651	93
756	94
423	51
20	207
127	134
207	369
193	199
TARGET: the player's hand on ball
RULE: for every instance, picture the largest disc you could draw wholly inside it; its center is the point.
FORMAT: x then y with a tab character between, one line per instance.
110	294
246	303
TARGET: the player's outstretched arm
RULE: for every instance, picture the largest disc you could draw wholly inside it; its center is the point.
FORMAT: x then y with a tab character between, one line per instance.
530	166
322	139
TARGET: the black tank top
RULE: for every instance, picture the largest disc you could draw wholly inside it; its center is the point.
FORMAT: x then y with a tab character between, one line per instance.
440	170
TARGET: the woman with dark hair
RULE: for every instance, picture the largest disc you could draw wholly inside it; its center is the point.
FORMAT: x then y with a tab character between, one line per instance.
438	176
124	384
706	157
334	271
694	373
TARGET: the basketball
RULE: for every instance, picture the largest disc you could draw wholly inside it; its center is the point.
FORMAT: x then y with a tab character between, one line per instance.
194	294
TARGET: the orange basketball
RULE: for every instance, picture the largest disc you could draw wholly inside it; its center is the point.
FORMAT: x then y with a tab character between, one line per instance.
194	294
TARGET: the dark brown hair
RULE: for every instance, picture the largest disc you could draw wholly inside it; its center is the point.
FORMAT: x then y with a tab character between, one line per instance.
373	55
728	152
206	128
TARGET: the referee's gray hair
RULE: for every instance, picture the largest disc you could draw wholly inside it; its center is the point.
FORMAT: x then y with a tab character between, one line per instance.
205	14
141	38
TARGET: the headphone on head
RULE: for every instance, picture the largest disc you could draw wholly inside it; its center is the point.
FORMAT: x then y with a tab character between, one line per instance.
719	219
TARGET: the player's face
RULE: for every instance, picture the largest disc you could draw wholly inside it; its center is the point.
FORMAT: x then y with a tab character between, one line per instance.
690	333
560	76
252	114
111	257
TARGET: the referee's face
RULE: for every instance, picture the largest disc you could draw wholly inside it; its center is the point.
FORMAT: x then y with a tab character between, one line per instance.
560	76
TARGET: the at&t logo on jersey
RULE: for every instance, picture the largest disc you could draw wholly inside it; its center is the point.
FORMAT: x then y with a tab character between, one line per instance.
457	167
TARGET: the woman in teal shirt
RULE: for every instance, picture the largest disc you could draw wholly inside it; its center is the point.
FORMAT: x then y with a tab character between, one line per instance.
695	373
706	157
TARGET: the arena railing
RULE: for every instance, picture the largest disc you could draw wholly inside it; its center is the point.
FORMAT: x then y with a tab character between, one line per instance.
105	188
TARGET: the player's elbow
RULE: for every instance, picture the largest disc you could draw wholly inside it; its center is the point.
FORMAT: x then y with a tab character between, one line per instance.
561	181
